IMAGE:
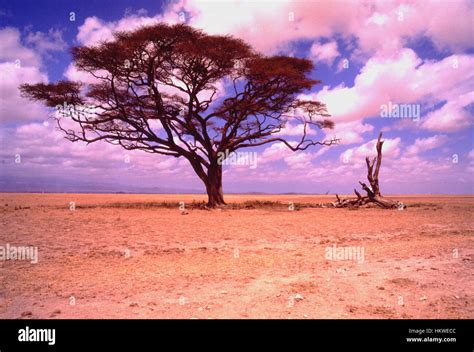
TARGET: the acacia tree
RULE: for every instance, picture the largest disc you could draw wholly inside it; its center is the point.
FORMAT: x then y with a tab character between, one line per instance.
159	89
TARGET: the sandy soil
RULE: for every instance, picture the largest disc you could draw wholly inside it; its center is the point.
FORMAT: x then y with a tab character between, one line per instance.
133	262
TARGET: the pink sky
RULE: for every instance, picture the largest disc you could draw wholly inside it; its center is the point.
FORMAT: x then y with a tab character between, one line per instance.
366	53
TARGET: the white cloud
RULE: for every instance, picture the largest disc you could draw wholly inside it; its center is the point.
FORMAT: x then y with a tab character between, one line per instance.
405	78
13	51
12	106
424	144
452	116
349	132
356	155
325	53
44	42
18	65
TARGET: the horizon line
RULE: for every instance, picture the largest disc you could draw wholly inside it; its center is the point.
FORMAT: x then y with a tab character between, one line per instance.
240	193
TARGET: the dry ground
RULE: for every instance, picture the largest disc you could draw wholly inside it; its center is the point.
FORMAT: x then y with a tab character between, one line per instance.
151	262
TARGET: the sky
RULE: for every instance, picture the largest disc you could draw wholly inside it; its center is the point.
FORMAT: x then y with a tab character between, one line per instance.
371	56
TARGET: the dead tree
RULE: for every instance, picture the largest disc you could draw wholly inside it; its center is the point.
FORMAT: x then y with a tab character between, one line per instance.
374	195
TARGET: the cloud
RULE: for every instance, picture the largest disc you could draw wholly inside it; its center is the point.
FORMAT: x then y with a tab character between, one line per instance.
73	74
470	155
274	152
391	149
325	53
405	78
381	26
14	108
18	65
299	160
400	172
45	42
13	51
296	129
42	147
377	26
390	25
95	30
452	116
349	132
424	144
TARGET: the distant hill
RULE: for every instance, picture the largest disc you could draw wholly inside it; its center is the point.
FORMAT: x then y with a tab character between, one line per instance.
38	186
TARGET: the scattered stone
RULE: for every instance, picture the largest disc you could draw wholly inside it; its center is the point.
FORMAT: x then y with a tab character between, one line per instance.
184	212
27	314
298	297
200	309
54	313
133	304
423	298
223	292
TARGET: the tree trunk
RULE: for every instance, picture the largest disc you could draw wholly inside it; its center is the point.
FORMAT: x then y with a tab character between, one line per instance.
213	184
